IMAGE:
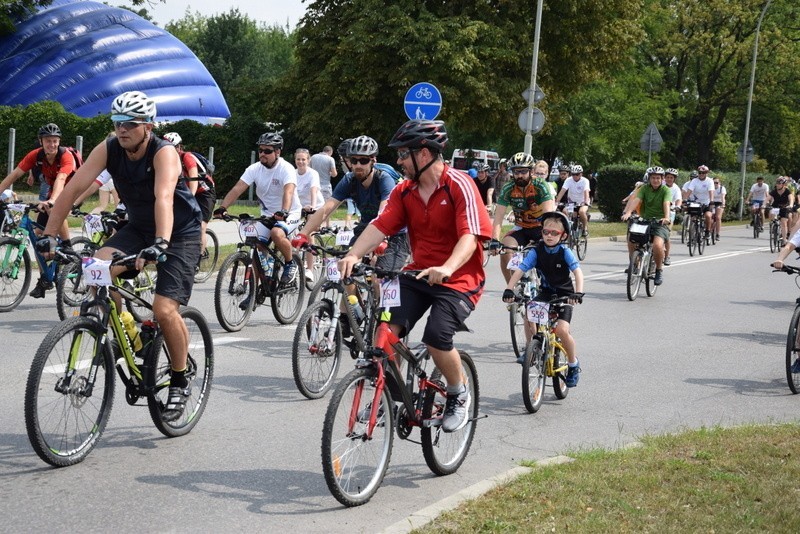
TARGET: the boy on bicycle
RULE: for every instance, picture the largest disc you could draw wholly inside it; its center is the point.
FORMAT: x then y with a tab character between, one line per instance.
554	262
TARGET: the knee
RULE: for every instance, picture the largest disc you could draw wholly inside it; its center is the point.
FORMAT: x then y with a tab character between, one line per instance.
165	311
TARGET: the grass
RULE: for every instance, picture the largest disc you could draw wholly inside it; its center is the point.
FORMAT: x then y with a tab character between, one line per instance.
708	480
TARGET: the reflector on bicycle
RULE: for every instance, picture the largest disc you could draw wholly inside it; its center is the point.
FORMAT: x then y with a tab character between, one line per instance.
637	228
538	312
96	272
332	269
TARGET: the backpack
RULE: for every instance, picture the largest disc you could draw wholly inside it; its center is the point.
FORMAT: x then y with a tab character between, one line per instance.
205	172
61	149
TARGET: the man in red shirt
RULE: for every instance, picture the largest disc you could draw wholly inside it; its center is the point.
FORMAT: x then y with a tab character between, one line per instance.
57	167
446	222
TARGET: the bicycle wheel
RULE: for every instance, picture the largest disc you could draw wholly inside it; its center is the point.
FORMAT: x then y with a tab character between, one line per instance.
516	318
71	290
684	229
773	237
650	284
287	299
235	284
316	350
700	239
15	273
144	286
208	258
559	377
755	223
66	415
713	236
793	351
444	452
692	238
533	375
635	269
199	372
354	463
581	245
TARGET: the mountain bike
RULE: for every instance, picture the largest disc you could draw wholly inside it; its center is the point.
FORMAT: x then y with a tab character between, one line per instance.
375	400
757	223
696	238
526	290
642	266
793	337
209	257
249	276
775	237
70	388
578	236
684	227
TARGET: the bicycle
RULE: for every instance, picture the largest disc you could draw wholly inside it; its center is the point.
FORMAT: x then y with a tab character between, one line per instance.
684	227
793	336
209	258
757	222
578	237
248	277
642	264
362	418
775	238
545	356
70	387
526	290
696	238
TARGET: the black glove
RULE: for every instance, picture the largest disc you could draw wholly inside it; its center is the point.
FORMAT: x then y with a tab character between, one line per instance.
121	214
76	209
577	297
494	244
46	244
155	252
509	296
280	215
220	213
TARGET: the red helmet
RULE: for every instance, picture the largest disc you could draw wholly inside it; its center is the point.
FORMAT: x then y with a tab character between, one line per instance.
702	168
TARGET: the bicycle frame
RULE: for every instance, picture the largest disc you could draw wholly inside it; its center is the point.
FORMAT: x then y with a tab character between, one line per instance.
553	343
24	233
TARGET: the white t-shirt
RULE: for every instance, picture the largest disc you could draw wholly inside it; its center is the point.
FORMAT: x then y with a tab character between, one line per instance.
269	186
719	193
575	190
759	193
323	164
701	188
304	184
676	192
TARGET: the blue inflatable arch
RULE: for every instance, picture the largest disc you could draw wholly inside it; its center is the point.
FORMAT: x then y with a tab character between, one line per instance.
84	53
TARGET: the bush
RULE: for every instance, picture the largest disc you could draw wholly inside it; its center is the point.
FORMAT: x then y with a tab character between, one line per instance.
615	182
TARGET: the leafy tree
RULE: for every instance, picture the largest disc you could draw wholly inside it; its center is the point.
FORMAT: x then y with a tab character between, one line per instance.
13	11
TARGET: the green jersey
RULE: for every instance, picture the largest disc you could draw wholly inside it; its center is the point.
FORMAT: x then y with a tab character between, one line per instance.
652	206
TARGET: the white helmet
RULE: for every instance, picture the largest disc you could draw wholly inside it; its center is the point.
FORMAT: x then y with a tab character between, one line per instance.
133	105
173	137
576	169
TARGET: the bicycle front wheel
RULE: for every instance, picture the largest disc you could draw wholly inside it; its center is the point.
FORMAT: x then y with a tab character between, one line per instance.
287	299
15	273
71	290
208	258
684	229
793	352
316	350
533	375
516	318
199	373
445	451
234	292
650	285
700	238
581	245
353	460
69	392
635	269
773	237
692	238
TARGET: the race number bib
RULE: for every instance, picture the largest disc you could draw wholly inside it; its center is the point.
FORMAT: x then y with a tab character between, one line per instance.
774	211
93	224
19	208
515	261
637	228
344	237
248	229
390	293
538	312
569	208
332	269
96	272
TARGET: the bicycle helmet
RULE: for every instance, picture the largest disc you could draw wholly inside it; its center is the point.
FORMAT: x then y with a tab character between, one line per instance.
576	169
655	170
362	145
343	147
562	218
780	180
420	134
173	138
521	160
672	171
484	168
563	168
702	168
694	174
503	161
133	105
50	130
271	139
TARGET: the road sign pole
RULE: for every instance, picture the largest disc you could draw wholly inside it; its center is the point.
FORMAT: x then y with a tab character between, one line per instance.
649	149
528	136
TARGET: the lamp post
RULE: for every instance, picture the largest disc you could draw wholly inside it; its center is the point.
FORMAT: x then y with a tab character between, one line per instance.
534	66
749	107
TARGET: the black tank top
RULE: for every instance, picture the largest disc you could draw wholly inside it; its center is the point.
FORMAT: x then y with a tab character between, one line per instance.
554	271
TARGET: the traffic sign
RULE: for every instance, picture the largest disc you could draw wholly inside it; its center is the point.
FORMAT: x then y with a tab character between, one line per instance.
651	140
538	95
748	157
422	101
538	120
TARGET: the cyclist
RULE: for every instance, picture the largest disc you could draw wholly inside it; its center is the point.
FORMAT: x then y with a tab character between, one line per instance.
55	165
275	180
164	221
702	190
541	172
446	223
577	191
485	184
757	196
352	209
787	249
718	205
554	262
501	177
781	198
670	175
655	199
563	176
310	193
529	199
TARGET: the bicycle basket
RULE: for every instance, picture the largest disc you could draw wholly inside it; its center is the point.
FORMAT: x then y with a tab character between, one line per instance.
639	233
694	208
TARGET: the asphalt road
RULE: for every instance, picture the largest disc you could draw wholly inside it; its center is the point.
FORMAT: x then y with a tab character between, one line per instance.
707	350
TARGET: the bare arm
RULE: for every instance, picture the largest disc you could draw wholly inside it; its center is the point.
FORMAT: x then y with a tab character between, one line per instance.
167	165
312	225
288	193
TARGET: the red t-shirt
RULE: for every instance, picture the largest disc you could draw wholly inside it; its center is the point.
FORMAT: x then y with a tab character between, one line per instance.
453	210
188	161
65	164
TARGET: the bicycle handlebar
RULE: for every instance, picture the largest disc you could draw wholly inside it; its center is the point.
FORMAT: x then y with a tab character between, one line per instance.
788	269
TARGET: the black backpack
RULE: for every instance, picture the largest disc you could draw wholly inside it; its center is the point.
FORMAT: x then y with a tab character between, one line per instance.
61	149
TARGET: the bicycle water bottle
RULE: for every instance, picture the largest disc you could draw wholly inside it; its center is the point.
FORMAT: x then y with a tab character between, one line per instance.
267	263
129	325
146	335
357	310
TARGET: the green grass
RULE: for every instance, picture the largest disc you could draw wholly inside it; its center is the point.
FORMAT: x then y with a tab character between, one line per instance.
709	480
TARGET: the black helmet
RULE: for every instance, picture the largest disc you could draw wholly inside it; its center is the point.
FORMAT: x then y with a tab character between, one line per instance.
421	134
50	130
363	145
271	139
344	146
561	217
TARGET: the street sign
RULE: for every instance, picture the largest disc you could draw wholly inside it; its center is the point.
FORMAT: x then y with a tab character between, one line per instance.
538	95
748	157
538	120
422	101
651	140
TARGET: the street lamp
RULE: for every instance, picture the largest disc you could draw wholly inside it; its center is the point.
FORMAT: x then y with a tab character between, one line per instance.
749	106
534	66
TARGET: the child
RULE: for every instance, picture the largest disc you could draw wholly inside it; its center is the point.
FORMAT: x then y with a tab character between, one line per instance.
553	262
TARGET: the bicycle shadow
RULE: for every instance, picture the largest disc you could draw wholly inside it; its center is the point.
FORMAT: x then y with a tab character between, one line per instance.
258	388
759	337
751	388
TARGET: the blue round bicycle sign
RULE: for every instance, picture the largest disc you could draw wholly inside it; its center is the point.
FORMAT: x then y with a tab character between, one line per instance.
423	101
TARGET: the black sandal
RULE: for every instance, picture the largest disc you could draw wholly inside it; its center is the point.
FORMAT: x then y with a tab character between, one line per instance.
176	403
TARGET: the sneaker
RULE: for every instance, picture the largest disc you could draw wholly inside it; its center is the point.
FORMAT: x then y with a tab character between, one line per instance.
521	358
667	260
795	368
176	403
289	274
41	286
573	374
659	279
310	276
717	237
456	411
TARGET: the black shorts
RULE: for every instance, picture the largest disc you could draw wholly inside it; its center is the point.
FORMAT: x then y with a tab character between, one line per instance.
176	275
564	309
523	236
449	310
206	200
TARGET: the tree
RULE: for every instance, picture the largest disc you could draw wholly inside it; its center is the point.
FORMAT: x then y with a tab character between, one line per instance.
13	11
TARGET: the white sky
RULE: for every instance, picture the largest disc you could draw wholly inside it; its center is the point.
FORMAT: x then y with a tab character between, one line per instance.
268	11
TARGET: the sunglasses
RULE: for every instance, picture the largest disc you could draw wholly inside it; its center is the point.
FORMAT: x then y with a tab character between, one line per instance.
127	125
716	183
521	172
553	233
266	151
403	154
360	161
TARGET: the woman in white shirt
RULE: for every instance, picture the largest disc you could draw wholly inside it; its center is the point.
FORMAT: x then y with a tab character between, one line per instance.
310	193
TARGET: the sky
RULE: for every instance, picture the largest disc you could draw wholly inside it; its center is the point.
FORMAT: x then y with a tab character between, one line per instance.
271	12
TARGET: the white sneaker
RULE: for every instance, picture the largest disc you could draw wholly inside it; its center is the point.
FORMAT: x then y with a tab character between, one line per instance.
456	411
310	276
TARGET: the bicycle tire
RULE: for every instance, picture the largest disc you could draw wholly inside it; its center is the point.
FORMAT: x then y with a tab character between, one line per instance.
650	284
208	258
559	377
692	238
315	361
11	292
685	229
516	317
700	238
444	452
581	246
773	237
287	300
235	283
634	275
793	351
71	292
142	285
713	236
353	464
63	428
755	228
199	372
533	375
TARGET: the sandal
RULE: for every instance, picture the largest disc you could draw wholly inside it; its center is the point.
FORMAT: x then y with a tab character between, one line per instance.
176	403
